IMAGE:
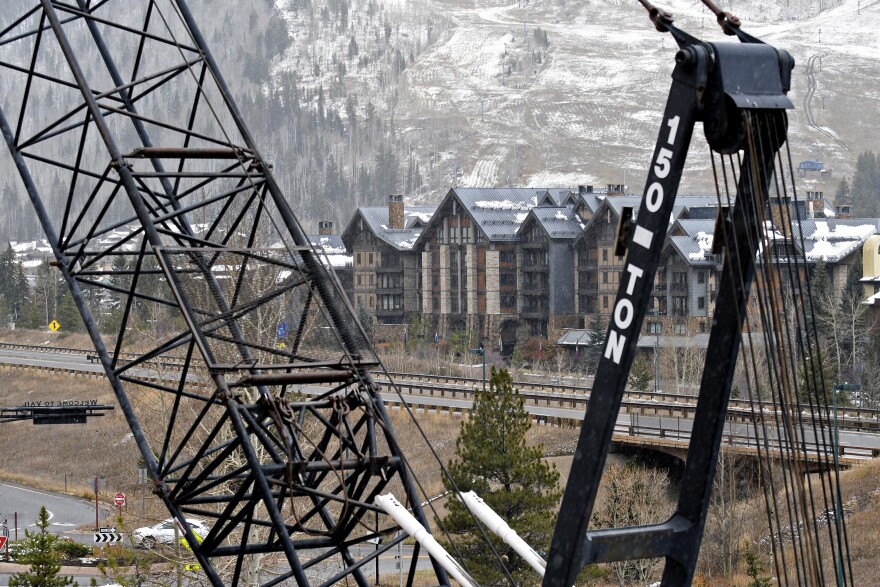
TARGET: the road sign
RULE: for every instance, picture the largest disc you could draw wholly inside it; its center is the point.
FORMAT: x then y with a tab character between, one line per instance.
119	499
185	543
54	326
107	537
2	542
282	330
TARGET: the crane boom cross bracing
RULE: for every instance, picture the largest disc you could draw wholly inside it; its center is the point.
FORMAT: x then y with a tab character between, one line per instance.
172	234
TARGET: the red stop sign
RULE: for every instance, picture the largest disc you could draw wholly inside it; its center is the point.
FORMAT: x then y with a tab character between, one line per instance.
119	499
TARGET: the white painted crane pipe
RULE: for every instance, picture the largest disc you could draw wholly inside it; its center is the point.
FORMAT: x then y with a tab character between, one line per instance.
411	526
499	527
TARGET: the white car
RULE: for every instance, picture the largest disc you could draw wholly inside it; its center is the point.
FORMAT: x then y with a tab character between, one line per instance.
164	532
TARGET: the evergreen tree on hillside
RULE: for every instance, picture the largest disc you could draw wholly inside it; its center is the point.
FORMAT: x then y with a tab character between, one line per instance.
14	290
865	187
41	555
493	459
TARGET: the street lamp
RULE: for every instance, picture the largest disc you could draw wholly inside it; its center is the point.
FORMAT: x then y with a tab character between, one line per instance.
482	352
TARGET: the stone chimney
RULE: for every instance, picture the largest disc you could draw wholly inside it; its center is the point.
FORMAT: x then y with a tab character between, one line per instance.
616	189
325	227
585	189
395	211
780	215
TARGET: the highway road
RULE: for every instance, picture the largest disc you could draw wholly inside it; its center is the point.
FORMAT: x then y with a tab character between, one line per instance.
673	428
78	362
68	516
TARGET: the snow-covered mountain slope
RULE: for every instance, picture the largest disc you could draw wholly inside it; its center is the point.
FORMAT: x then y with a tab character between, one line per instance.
590	111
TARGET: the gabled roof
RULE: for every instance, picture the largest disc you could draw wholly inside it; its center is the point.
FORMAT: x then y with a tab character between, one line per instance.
559	222
375	218
497	212
695	250
591	201
833	240
558	197
690	227
682	203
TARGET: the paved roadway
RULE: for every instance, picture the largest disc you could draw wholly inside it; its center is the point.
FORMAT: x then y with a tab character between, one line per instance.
66	513
682	426
78	362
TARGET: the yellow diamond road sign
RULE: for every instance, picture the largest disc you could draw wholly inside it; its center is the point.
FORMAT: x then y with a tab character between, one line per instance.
54	326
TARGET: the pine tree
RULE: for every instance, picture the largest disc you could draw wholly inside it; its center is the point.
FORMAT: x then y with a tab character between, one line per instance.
44	560
493	459
596	332
640	373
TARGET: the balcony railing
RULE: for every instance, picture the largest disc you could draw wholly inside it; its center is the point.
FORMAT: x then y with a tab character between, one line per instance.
678	286
660	286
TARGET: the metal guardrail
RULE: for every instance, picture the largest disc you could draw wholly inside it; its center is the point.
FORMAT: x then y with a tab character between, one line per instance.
554	387
662	436
628	406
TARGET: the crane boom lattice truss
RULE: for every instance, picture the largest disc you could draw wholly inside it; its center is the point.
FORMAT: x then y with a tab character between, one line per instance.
173	235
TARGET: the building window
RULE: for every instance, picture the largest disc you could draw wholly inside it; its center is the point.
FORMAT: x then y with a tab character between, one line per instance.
605	301
508	300
701	303
655	328
480	237
507	256
702	327
453	235
604	254
680	329
370	260
604	277
465	234
391	302
507	279
358	259
440	235
701	277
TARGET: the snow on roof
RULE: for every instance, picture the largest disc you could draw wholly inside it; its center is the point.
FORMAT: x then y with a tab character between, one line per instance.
329	244
504	205
832	241
416	217
704	242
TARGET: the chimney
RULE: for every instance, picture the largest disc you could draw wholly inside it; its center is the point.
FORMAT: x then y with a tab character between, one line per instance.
780	215
585	189
325	227
395	211
615	189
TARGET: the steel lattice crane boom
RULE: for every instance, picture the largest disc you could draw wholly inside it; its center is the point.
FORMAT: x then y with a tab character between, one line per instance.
171	231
